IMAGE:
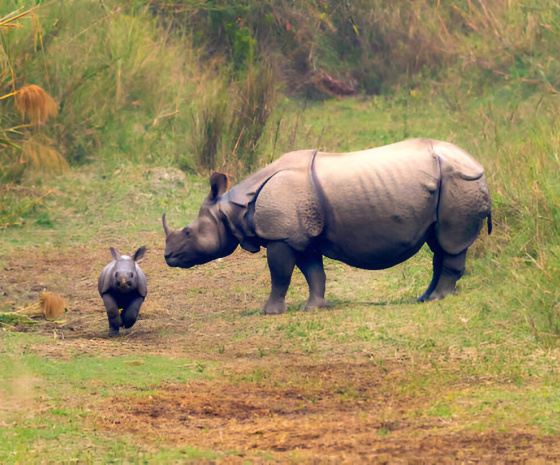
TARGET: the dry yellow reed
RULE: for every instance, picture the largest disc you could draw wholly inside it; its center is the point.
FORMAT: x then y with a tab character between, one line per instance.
50	305
34	102
42	157
54	305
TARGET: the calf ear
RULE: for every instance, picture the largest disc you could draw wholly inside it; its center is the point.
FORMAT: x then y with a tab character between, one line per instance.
139	253
115	254
219	183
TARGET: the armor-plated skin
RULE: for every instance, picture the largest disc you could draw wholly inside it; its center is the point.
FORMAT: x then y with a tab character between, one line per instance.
371	209
123	288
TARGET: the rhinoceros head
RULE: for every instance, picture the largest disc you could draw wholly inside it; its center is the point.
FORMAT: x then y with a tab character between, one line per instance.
207	237
124	275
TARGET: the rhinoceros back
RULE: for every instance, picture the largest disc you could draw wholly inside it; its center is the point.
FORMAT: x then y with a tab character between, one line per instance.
379	204
371	209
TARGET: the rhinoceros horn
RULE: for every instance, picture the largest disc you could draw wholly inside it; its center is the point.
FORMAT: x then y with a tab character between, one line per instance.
165	227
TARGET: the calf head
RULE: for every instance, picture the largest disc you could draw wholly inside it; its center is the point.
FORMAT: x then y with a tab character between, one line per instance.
125	276
207	237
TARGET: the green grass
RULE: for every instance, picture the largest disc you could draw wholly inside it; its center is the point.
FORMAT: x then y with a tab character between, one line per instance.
68	388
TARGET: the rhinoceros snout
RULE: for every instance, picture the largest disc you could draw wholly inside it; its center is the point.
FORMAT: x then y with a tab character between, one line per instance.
170	260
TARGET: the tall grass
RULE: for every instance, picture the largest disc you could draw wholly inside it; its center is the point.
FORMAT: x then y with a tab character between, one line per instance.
231	118
379	43
24	146
256	101
128	77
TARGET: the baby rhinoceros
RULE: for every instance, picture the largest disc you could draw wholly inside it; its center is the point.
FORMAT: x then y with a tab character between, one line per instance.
123	288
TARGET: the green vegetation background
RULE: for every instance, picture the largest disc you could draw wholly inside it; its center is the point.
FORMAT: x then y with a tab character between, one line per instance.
231	85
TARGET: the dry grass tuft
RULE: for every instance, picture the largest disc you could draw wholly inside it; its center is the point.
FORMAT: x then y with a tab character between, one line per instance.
50	305
54	305
42	157
33	101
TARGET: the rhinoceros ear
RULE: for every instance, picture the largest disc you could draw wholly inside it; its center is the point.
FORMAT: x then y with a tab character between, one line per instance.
139	253
115	254
219	183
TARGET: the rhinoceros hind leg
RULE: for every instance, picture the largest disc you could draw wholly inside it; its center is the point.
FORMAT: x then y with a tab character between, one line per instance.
447	269
311	265
281	262
436	264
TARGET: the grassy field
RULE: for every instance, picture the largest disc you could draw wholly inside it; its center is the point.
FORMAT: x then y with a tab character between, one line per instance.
204	376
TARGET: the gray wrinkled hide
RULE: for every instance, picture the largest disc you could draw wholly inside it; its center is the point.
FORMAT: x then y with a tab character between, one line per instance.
374	207
370	209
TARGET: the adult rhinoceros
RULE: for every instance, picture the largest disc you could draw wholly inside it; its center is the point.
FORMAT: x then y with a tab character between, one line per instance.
371	209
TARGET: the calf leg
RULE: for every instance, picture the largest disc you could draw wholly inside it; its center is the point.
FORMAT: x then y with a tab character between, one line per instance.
281	262
112	314
130	313
311	265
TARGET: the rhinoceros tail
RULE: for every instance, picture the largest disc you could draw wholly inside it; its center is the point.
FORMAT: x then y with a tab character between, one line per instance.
489	223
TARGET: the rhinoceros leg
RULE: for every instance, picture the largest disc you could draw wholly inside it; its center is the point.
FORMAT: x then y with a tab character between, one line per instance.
436	263
452	268
112	313
130	313
311	265
447	270
281	262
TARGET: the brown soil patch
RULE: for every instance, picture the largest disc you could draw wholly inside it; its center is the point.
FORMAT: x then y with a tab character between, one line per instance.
323	424
290	405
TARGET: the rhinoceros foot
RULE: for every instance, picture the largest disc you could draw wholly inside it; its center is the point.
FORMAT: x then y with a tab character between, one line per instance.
436	295
113	331
274	307
317	302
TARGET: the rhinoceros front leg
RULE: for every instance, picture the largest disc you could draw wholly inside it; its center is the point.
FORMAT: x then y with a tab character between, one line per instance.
113	314
281	262
130	314
311	265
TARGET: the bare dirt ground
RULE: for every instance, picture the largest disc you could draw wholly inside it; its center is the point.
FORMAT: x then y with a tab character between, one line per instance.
340	409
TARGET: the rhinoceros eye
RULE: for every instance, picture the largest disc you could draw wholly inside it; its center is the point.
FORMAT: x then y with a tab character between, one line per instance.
132	275
115	274
187	232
